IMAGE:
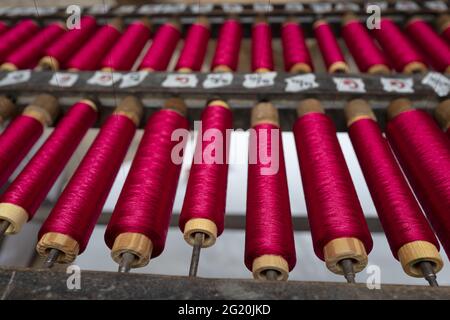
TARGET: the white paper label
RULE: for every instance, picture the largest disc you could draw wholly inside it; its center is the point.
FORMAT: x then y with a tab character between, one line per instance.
104	78
173	8
349	84
180	80
294	7
347	6
63	79
150	9
258	80
202	8
99	8
436	5
301	83
401	85
133	79
232	8
16	77
321	7
383	5
262	7
406	6
125	9
438	82
218	80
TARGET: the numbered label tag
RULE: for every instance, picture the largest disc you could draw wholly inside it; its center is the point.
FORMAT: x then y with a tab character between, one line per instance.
400	85
150	9
133	79
321	7
63	79
258	80
294	7
22	11
438	82
202	8
218	80
262	7
99	8
346	6
349	84
173	8
125	9
436	5
232	8
301	83
16	77
104	78
383	5
406	6
180	80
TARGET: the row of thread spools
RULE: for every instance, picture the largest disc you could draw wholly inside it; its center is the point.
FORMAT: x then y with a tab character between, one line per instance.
92	47
140	221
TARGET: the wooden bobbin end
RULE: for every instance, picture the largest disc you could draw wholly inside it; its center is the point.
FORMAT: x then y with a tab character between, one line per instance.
412	20
7	108
262	70
268	262
44	108
447	70
264	112
260	19
300	68
379	69
443	22
176	104
68	246
204	226
90	103
136	243
132	108
339	67
222	68
116	23
49	63
398	106
358	109
174	23
319	22
73	70
219	103
411	254
290	20
348	18
8	67
146	22
442	114
184	70
309	106
415	67
345	248
108	69
15	215
202	20
147	69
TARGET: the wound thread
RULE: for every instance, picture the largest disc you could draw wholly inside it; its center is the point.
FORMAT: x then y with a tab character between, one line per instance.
228	45
329	48
262	55
16	36
194	49
295	50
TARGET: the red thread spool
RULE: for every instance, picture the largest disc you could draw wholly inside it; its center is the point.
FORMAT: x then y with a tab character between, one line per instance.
89	57
125	52
58	54
402	54
437	50
226	57
444	27
141	218
329	47
410	237
368	56
195	46
28	55
23	197
338	228
73	218
262	55
269	236
204	203
424	154
3	27
23	132
161	50
17	35
295	51
442	114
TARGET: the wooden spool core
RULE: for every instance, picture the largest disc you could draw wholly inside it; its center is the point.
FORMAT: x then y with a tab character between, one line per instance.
132	108
177	105
15	215
411	254
184	70
345	248
49	63
443	22
44	108
379	69
268	262
108	69
398	106
67	246
174	23
219	103
202	20
8	67
415	67
116	23
7	108
136	243
300	67
442	114
339	67
222	68
358	109
309	106
264	112
205	226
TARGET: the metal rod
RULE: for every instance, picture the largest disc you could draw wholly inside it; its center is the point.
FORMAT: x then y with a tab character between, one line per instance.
4	225
271	275
125	264
51	258
428	273
195	258
347	268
